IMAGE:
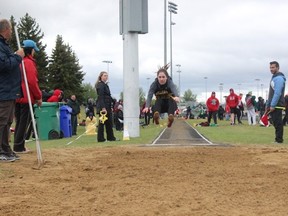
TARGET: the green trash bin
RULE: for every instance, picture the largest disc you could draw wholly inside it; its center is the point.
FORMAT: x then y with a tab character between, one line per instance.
47	121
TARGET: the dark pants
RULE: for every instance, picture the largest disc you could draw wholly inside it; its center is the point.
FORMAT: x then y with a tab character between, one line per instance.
74	124
23	119
109	129
147	118
165	105
285	119
278	124
6	118
214	115
238	113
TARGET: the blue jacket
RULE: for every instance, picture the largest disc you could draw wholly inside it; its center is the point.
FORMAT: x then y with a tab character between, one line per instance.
10	74
276	91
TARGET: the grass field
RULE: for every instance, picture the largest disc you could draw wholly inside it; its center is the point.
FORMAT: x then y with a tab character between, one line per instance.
239	134
223	134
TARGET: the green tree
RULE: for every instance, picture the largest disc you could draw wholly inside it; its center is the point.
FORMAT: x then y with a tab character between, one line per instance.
65	73
189	96
89	92
28	28
142	97
13	42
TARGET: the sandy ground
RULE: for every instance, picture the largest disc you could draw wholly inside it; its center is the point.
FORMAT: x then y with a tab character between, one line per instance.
134	180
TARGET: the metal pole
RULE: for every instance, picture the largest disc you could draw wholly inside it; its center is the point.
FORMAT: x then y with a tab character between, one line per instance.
131	84
262	90
171	62
179	83
257	80
165	32
148	78
206	86
221	89
107	62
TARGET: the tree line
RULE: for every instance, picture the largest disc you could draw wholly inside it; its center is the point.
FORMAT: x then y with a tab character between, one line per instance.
62	69
59	71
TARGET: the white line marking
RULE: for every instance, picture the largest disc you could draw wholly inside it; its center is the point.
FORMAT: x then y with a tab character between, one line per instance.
200	134
158	137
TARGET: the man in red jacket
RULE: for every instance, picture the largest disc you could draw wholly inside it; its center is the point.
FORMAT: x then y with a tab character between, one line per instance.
22	111
212	104
232	101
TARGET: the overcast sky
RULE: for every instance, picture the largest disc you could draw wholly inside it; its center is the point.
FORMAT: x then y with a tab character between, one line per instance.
229	42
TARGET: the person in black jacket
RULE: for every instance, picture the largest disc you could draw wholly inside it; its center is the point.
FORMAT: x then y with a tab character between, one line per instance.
73	103
10	88
166	96
104	105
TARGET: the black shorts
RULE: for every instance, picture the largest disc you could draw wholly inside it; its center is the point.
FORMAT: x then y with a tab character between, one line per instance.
233	110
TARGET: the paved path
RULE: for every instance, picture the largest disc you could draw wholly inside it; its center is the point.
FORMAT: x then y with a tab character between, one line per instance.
181	134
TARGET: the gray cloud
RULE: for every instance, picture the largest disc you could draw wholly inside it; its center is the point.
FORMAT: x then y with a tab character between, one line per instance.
230	42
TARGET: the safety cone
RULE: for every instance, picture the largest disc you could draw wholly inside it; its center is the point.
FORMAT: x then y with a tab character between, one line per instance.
126	133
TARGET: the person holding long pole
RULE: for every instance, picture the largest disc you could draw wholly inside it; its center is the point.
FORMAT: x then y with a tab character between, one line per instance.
38	146
22	113
10	88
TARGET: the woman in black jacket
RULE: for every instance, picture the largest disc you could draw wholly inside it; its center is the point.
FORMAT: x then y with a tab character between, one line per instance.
104	105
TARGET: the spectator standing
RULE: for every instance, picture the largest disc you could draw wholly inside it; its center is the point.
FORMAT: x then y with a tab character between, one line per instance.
261	106
166	96
90	107
212	104
221	112
250	105
239	109
73	103
188	113
276	102
146	114
285	119
22	110
10	88
119	118
104	104
232	101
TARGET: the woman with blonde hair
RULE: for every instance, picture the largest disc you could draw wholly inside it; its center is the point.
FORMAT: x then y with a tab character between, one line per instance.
104	107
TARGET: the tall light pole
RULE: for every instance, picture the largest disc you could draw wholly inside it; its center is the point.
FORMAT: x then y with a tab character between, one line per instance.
172	8
148	78
257	80
179	71
221	89
165	32
262	85
206	87
107	62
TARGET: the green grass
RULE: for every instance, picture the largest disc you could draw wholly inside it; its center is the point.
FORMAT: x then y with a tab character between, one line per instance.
147	135
238	134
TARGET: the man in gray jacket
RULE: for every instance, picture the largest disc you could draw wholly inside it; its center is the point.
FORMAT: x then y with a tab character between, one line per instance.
276	102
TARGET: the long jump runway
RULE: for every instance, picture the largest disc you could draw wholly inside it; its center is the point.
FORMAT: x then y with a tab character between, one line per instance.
181	134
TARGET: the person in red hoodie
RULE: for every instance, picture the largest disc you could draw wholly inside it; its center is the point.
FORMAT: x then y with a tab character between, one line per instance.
22	110
232	101
212	104
56	97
